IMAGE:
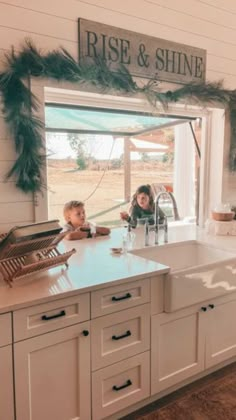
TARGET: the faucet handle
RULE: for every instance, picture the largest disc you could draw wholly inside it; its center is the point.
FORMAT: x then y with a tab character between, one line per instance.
156	228
146	231
165	229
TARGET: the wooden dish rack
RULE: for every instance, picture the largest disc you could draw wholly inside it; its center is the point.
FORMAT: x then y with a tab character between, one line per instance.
14	264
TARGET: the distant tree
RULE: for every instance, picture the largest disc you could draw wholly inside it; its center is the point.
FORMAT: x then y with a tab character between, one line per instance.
78	145
144	156
116	163
168	157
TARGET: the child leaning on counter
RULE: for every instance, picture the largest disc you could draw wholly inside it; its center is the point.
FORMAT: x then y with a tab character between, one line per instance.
76	224
142	207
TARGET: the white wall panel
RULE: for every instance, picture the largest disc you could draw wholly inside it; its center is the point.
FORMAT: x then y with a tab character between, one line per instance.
10	194
71	9
31	21
203	30
223	5
206	11
170	18
13	37
22	212
5	167
7	150
216	76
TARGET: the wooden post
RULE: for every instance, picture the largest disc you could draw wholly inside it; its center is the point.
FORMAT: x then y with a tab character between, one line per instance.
127	169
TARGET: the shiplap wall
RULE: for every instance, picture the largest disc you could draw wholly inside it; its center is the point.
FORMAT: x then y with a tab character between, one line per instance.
209	24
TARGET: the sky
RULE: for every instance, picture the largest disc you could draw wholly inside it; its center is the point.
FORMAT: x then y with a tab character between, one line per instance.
58	147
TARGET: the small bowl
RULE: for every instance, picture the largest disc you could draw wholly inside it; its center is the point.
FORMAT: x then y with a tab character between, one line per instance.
116	250
223	217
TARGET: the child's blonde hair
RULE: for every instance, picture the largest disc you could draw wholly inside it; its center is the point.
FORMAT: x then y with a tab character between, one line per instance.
69	206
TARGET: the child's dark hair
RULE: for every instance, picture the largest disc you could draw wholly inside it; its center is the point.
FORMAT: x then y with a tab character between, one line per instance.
143	189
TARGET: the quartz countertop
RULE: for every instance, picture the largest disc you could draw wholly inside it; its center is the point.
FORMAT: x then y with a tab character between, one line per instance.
93	266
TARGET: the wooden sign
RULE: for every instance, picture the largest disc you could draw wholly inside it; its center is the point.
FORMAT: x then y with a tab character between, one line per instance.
144	56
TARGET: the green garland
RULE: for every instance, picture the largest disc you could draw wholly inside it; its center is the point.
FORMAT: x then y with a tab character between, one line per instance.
20	104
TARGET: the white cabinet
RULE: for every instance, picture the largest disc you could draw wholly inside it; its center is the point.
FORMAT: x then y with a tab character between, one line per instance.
120	385
6	384
39	319
120	335
52	360
221	330
73	362
6	370
118	298
186	342
120	347
5	329
177	347
52	375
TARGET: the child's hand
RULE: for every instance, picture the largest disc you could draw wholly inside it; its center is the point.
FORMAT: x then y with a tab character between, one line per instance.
124	215
76	234
101	230
84	228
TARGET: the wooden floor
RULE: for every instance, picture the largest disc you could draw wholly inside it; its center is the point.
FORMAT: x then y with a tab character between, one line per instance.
210	398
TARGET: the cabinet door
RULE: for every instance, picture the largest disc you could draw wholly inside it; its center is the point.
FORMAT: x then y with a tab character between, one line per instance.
221	332
177	347
5	329
6	384
52	375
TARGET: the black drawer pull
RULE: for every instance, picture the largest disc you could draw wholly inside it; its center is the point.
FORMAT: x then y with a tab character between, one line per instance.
211	306
118	388
85	333
47	318
203	308
116	299
118	337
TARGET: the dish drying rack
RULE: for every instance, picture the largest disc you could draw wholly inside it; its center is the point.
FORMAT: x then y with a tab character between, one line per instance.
27	257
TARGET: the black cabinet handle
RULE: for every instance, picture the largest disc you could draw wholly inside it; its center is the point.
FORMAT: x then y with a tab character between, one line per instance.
47	318
118	388
85	333
211	306
204	308
116	299
118	337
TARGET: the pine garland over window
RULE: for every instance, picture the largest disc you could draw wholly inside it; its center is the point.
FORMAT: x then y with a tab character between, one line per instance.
19	104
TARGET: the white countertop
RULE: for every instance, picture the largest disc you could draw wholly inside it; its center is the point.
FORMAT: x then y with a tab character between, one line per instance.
93	266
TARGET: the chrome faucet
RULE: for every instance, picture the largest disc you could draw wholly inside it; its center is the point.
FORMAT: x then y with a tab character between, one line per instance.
157	218
148	228
156	227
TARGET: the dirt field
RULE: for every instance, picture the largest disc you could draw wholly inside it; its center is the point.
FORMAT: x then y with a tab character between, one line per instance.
67	183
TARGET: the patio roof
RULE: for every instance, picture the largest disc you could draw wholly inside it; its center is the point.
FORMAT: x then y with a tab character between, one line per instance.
86	120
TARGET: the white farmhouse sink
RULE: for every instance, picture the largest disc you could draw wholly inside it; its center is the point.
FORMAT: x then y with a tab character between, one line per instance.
198	271
181	255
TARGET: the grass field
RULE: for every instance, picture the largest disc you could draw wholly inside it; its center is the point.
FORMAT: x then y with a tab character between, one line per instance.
67	183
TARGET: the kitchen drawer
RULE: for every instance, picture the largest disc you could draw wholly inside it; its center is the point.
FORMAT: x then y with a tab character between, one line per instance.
39	319
120	385
117	298
120	335
5	329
